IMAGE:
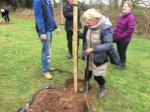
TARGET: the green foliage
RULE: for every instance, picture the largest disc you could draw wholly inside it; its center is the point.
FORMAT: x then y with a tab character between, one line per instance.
20	71
17	3
83	6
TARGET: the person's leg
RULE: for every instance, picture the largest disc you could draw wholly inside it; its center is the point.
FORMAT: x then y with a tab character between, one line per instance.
122	48
101	82
8	18
69	42
5	18
46	53
119	49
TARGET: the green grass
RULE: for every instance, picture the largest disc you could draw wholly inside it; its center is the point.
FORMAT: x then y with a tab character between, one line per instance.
20	71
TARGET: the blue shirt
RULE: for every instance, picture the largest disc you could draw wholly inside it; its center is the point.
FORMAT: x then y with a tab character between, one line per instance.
51	24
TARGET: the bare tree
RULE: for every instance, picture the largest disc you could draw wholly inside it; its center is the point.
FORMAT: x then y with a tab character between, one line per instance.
110	5
116	4
55	4
144	3
62	17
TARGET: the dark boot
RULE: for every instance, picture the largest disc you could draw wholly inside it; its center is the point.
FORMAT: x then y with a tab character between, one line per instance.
102	92
121	66
101	82
70	56
70	50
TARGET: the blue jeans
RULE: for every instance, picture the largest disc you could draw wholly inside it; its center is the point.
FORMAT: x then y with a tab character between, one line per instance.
46	52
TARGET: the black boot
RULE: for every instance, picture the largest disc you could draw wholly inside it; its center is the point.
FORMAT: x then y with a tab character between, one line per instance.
121	66
101	82
102	91
70	56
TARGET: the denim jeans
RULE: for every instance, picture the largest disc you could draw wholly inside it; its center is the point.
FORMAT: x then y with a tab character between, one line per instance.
46	52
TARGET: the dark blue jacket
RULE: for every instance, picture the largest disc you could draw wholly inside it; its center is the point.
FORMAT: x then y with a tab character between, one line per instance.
68	14
51	25
5	13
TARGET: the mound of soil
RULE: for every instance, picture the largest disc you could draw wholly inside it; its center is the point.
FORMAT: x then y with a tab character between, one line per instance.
58	100
70	85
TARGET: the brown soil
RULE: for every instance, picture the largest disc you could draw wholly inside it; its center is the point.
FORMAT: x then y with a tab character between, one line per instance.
70	86
59	100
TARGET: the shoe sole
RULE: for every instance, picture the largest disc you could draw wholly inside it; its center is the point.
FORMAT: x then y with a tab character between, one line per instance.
47	78
53	69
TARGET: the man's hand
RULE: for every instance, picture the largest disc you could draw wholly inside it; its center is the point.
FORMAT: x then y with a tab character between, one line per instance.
88	51
43	37
57	30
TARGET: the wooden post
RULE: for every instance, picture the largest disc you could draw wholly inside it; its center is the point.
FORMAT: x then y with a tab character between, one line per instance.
75	43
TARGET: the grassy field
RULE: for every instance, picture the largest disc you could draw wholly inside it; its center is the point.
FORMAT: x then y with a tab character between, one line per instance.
20	71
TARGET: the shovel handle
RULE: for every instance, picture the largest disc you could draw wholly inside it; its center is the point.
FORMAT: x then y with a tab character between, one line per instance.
87	63
87	74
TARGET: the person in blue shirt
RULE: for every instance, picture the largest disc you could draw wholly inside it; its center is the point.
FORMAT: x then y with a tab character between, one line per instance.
45	25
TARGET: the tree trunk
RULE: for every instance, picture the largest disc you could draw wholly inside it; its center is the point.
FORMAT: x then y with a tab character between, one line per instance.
110	5
116	4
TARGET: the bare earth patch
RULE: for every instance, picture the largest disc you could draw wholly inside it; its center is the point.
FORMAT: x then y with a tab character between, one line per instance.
59	100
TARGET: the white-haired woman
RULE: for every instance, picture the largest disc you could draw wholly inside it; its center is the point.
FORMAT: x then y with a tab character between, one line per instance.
98	40
5	14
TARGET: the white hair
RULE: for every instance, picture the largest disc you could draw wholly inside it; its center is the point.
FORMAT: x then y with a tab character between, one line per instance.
2	10
91	14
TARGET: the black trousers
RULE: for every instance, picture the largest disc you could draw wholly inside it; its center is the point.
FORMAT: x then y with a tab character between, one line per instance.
6	18
99	79
122	48
69	40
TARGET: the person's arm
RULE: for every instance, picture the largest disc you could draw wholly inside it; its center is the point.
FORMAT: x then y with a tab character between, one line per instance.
52	12
55	25
131	26
37	5
57	30
106	41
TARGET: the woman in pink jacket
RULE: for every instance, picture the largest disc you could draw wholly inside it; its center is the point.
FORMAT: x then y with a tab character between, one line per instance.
123	32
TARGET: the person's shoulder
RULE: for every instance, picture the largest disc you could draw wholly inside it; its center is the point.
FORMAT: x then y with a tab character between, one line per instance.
2	10
107	28
131	15
107	23
65	3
